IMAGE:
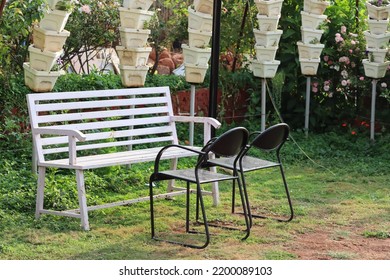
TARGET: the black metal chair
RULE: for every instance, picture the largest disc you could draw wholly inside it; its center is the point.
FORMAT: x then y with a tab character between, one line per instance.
271	139
229	145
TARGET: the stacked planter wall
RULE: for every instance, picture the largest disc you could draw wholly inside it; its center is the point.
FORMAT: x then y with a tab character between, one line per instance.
133	52
197	53
48	41
377	39
267	38
310	48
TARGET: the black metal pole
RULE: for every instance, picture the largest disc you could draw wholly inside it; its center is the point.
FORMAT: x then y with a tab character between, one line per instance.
215	60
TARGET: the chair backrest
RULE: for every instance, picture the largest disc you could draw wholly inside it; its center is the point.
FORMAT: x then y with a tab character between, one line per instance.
272	138
229	143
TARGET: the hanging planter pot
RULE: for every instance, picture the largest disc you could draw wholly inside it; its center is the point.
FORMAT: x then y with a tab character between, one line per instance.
376	41
133	76
54	20
267	38
134	18
377	12
268	23
198	38
138	4
196	55
309	66
195	73
310	36
377	55
42	60
375	70
308	51
264	69
317	7
133	38
265	53
312	21
270	8
40	81
47	40
378	26
204	6
199	21
133	56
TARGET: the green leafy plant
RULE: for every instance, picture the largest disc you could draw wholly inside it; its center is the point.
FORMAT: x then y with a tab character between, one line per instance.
379	3
65	5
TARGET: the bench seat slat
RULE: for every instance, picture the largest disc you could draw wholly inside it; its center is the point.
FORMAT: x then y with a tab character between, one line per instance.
99	104
119	158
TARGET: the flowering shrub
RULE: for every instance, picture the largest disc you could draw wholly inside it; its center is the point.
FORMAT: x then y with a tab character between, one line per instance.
93	25
342	71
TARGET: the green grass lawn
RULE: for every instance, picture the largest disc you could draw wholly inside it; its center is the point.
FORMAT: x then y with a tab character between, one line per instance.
341	201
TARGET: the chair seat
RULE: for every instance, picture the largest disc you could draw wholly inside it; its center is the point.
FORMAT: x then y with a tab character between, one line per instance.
248	163
205	176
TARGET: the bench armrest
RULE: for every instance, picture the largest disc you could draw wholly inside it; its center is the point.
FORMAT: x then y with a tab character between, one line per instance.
207	121
63	132
72	136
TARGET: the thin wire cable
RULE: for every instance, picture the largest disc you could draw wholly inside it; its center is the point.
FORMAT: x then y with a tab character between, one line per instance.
292	138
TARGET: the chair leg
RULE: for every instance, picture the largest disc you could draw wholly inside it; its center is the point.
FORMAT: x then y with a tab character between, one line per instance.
199	197
151	204
40	191
291	216
82	199
245	207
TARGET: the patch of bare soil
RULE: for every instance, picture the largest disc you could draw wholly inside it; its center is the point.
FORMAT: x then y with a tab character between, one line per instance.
325	245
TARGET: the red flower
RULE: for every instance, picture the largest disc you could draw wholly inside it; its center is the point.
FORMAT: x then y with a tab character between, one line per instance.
353	132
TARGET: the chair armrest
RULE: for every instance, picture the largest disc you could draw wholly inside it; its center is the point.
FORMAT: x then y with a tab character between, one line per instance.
63	132
161	152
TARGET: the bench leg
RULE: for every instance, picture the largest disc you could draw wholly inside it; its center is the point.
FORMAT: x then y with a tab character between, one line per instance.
82	199
171	183
40	191
215	189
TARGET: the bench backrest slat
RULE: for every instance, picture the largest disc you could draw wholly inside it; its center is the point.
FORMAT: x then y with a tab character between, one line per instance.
101	114
109	145
108	118
110	134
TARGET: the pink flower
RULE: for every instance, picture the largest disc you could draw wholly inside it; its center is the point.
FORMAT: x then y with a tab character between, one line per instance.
338	38
314	89
384	85
353	42
343	29
344	83
350	51
326	88
85	9
344	59
326	58
361	78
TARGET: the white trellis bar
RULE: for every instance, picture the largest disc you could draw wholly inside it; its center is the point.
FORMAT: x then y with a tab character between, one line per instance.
307	107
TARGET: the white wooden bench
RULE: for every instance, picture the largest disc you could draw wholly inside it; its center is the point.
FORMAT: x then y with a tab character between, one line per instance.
94	129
